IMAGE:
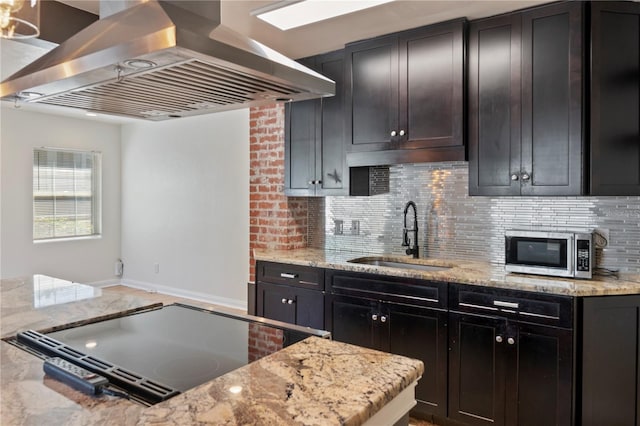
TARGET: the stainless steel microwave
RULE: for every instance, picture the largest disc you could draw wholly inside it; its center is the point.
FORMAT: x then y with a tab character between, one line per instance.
560	254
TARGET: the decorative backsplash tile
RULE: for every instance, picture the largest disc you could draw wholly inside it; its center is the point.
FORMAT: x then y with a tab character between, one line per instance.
453	225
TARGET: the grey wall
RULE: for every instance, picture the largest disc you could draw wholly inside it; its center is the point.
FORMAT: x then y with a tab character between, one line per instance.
456	226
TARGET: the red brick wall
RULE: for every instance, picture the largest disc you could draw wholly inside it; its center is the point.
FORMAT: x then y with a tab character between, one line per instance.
275	221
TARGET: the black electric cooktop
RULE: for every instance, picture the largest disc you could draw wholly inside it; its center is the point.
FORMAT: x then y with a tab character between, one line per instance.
157	354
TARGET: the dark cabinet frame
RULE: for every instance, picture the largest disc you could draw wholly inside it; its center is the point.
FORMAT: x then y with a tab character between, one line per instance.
379	94
315	137
526	121
509	368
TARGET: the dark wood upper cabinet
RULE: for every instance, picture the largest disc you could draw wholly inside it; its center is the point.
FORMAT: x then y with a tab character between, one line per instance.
615	98
494	105
526	103
405	96
315	161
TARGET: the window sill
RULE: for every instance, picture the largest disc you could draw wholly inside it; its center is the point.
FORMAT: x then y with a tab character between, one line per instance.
55	240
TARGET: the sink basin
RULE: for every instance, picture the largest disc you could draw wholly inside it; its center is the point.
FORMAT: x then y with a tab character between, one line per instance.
395	264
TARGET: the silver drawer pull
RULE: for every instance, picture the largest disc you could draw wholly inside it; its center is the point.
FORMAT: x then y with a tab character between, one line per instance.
471	305
502	304
287	275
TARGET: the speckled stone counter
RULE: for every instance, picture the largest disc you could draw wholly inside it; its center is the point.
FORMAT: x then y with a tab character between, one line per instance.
313	382
459	271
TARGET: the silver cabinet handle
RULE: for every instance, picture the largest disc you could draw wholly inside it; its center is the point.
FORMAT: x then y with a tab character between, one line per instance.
502	304
511	341
525	177
287	275
499	339
401	132
393	133
290	301
383	318
374	317
284	300
514	177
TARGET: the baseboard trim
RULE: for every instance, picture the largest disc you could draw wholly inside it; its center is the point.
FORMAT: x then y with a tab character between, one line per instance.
106	283
187	294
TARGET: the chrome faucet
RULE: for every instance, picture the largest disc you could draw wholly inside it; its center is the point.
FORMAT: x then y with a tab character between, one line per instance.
406	242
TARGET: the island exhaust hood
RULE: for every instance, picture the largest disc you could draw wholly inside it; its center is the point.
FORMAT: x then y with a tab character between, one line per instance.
163	59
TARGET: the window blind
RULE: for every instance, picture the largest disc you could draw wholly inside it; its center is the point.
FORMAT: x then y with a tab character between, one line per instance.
66	193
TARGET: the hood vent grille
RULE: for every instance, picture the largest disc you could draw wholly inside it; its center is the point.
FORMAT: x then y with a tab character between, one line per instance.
178	90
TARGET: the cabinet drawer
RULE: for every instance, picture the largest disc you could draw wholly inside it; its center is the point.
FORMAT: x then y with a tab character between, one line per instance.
522	306
406	291
293	275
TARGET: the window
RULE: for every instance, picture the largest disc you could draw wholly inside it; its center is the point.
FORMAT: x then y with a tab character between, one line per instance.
66	194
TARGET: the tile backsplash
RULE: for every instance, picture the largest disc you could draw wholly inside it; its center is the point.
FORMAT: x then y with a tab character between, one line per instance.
454	225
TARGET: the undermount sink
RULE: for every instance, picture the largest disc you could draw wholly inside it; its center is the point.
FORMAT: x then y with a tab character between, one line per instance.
396	264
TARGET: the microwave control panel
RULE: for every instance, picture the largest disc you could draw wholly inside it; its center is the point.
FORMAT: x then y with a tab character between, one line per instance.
583	252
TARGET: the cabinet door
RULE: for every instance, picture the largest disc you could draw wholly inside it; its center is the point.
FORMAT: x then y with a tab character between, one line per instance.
494	106
552	142
372	94
431	110
273	302
300	146
615	98
309	308
289	304
610	368
477	368
352	321
539	379
422	334
331	162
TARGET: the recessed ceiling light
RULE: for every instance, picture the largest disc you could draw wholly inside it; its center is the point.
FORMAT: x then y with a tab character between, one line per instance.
289	14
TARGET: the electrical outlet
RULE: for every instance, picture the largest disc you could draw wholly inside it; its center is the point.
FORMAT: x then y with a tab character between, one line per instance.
338	230
156	268
355	227
600	238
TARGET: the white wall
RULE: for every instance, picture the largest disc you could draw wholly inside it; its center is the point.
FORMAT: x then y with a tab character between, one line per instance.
185	206
87	261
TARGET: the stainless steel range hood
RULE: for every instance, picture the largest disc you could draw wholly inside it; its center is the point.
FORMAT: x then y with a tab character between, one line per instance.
163	59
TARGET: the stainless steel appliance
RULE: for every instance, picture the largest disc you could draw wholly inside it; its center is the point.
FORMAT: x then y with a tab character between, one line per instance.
561	254
157	354
159	60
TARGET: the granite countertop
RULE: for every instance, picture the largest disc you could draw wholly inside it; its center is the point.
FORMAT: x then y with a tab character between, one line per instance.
459	271
316	381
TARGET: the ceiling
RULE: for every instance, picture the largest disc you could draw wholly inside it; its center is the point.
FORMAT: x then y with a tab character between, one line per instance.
312	39
333	34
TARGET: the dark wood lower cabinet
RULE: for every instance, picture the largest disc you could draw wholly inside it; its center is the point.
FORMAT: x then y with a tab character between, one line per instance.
610	371
477	370
289	304
411	331
503	371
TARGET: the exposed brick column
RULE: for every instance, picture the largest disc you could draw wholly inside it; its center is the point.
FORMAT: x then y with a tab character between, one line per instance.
275	221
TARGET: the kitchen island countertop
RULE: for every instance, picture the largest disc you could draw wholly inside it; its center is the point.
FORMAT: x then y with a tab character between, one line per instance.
457	271
316	381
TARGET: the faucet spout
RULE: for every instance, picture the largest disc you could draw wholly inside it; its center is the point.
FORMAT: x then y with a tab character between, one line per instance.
406	242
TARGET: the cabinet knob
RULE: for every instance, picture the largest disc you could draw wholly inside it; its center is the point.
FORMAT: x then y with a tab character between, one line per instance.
511	341
514	177
525	177
374	317
284	300
383	318
401	132
499	339
290	301
310	182
319	182
393	133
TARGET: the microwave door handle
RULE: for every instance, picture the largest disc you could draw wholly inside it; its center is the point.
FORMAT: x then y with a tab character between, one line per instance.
571	254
